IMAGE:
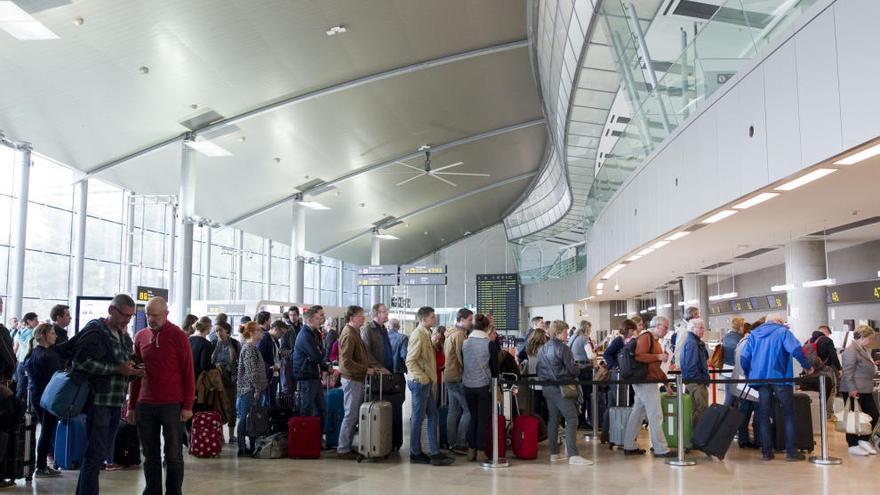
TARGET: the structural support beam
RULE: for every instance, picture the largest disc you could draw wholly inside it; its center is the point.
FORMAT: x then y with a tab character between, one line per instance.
433	206
239	261
267	269
297	250
807	306
206	266
79	239
696	293
375	259
664	304
632	308
328	90
128	258
186	199
171	262
649	65
340	289
23	174
387	163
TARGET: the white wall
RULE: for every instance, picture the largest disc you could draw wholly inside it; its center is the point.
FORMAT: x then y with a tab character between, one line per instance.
811	96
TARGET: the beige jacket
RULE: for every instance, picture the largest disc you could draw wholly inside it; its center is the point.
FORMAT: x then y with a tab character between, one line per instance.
452	349
421	362
353	359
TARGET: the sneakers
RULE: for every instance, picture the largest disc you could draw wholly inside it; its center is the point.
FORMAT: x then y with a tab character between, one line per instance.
459	450
858	450
797	456
47	472
867	447
441	460
769	456
666	455
555	457
347	456
634	452
422	458
577	460
112	467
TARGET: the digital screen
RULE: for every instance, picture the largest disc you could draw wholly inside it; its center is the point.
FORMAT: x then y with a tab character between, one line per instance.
756	302
144	294
499	294
776	302
88	309
376	280
378	270
423	280
858	292
423	269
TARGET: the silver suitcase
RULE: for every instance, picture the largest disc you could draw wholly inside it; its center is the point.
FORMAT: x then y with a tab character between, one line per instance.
617	418
374	427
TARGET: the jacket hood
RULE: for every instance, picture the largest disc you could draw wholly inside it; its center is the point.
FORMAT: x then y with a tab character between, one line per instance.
767	330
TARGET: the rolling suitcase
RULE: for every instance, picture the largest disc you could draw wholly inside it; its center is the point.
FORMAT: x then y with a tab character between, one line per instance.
669	406
524	435
803	424
18	457
334	415
304	437
621	394
396	401
207	434
278	417
716	429
617	418
375	419
127	449
502	438
70	442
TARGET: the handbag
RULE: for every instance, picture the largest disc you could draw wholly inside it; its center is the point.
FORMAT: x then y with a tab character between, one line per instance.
601	373
64	396
853	422
569	391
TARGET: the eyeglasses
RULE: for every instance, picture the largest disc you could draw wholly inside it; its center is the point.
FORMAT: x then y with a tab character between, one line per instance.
122	313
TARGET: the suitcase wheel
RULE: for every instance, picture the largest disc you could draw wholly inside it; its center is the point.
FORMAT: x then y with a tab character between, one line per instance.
360	458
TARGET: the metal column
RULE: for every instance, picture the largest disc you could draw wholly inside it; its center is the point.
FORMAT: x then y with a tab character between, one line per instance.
684	74
206	268
318	281
170	263
186	199
239	269
375	257
340	279
629	83
23	174
640	37
128	258
297	249
79	247
267	269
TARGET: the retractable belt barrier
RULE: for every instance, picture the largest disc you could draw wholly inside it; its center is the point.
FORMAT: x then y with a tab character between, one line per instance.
823	459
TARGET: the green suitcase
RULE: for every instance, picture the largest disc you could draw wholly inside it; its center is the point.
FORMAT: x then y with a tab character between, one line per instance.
669	406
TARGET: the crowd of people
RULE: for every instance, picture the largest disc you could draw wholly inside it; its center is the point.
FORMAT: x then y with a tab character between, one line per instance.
150	380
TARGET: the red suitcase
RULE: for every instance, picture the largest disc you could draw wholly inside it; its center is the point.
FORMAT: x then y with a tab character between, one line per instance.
502	439
207	434
525	437
304	437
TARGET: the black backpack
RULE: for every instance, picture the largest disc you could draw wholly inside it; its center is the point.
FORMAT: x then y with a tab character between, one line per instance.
626	360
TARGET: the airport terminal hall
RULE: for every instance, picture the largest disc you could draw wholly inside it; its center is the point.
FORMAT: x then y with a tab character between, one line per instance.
452	247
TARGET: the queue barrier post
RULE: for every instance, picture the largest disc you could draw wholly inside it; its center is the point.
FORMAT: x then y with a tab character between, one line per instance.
496	462
823	459
680	460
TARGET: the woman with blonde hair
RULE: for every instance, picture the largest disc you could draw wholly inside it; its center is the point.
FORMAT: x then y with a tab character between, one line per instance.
41	363
857	384
251	380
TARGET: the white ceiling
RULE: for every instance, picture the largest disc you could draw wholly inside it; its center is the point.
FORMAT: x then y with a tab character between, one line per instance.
83	101
846	196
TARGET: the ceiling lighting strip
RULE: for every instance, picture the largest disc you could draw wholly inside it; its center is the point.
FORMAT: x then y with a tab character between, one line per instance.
343	86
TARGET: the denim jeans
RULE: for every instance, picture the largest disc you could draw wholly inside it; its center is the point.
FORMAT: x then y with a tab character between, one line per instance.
748	407
353	397
423	404
21	379
586	408
311	396
558	405
785	395
48	423
156	422
242	407
101	423
459	419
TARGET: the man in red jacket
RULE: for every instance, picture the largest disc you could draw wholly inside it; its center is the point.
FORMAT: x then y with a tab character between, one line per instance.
163	398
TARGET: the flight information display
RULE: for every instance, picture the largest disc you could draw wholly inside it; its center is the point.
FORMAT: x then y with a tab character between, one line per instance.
858	292
422	269
376	280
423	280
378	270
499	294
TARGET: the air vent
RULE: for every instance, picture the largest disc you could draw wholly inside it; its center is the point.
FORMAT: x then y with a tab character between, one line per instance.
623	120
383	221
695	227
756	252
716	265
849	226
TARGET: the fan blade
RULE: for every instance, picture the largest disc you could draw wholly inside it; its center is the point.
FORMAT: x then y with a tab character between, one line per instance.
444	180
447	166
463	173
411	166
410	179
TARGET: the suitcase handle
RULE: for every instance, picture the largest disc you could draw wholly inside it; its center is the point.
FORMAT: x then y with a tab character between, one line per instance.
369	387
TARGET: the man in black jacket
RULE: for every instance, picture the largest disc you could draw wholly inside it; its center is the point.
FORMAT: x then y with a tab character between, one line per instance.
827	353
8	361
60	316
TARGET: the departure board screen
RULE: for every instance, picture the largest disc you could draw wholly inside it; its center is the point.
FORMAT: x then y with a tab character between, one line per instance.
499	294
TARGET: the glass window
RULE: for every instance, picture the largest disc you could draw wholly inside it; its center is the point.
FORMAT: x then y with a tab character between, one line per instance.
100	278
103	239
4	269
50	183
105	200
280	271
153	249
5	217
253	243
253	267
221	288
48	228
280	250
46	276
154	278
223	237
7	165
221	263
279	293
251	290
309	275
309	296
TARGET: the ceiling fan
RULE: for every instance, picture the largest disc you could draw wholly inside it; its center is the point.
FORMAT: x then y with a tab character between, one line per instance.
438	172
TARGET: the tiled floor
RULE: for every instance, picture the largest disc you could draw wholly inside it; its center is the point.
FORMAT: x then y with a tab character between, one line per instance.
742	472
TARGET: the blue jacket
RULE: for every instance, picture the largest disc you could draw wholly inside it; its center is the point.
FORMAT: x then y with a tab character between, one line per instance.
728	344
399	345
267	350
694	358
768	352
307	357
610	353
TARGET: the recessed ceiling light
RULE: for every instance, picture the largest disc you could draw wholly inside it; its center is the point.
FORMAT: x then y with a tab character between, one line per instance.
333	31
827	282
861	155
678	235
21	25
756	200
721	215
426	232
79	21
806	179
781	288
207	148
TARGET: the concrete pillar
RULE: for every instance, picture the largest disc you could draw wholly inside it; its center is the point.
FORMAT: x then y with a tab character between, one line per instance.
23	176
375	259
79	241
297	250
267	269
206	256
696	293
340	289
186	202
632	307
128	247
171	261
239	261
807	307
664	303
318	281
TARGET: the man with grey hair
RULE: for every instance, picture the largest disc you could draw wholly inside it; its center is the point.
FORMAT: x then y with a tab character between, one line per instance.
694	366
680	333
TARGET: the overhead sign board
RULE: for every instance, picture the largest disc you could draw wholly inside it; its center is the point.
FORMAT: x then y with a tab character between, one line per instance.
422	269
499	294
144	293
858	292
423	279
376	280
214	309
378	270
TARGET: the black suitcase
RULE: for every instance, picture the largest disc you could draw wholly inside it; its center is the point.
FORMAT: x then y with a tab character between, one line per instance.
127	448
803	424
19	457
396	401
716	429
